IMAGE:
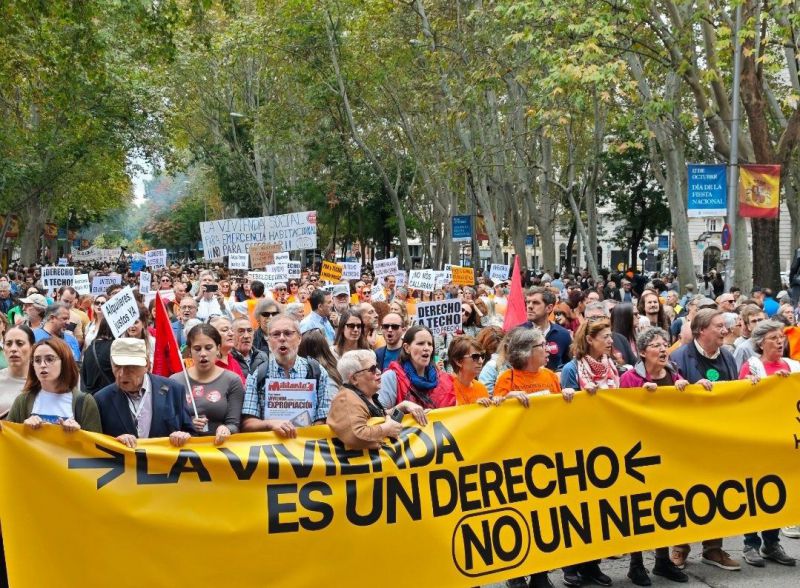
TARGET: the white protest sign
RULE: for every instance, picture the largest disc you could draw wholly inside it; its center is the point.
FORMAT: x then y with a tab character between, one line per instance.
499	272
121	311
294	269
262	277
294	231
282	257
144	282
62	261
156	258
448	271
101	283
81	284
402	277
377	294
277	272
238	261
441	279
384	267
53	277
352	270
442	316
291	400
95	254
424	280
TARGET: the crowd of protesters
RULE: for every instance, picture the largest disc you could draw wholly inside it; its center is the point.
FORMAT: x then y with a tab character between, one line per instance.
63	367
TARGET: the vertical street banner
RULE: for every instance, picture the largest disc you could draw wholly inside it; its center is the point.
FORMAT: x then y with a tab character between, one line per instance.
707	190
485	494
759	191
462	228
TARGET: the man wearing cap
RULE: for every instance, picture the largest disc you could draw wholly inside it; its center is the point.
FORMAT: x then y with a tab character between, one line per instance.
140	405
318	318
33	308
54	324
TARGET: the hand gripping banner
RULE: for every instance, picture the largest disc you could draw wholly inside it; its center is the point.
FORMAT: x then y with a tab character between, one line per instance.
476	496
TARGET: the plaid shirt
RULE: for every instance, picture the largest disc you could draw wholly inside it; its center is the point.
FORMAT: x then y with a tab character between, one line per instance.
254	400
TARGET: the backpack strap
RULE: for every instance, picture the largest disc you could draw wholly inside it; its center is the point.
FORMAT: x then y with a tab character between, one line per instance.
80	399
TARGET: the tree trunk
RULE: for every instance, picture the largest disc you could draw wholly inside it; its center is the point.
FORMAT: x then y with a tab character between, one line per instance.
33	217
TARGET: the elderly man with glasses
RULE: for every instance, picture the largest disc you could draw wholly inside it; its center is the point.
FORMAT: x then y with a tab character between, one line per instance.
284	364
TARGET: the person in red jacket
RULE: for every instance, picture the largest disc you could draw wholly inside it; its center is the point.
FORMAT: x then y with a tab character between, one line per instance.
415	377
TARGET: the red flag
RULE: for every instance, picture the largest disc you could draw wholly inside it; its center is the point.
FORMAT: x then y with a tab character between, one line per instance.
515	311
759	191
167	359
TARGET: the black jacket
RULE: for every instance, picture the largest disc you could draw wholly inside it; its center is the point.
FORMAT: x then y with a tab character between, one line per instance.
96	371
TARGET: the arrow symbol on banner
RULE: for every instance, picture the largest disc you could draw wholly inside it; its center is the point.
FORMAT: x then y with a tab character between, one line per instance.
116	462
633	463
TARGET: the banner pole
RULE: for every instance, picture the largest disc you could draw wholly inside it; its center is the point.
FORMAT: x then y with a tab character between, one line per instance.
733	165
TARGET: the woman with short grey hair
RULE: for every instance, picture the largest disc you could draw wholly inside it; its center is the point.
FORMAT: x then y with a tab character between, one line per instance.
357	403
264	312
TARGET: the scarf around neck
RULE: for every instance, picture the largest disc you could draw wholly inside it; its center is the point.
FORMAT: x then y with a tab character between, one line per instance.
427	382
603	372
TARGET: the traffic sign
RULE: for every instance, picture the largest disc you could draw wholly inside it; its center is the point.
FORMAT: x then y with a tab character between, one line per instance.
724	255
726	237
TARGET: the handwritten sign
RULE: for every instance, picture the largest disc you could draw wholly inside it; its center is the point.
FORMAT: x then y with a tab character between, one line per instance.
156	258
463	276
81	284
238	261
331	272
54	277
294	231
144	282
423	280
121	311
384	267
294	269
263	254
499	272
352	270
282	257
101	283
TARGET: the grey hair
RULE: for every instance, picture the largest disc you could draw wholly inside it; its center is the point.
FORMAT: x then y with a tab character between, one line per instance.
353	361
283	316
647	336
265	304
762	329
53	309
294	307
731	318
520	346
596	306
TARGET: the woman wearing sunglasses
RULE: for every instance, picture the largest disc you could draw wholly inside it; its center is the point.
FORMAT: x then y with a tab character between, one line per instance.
356	404
264	312
350	334
466	359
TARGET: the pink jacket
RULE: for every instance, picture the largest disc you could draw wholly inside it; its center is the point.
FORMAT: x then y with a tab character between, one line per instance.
638	376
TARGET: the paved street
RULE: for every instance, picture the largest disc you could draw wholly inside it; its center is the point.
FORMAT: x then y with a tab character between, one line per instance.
700	574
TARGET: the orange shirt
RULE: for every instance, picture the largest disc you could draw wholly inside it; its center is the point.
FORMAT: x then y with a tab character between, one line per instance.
527	382
469	395
793	338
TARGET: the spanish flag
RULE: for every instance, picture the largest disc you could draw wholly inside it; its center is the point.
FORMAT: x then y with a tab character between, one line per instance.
759	191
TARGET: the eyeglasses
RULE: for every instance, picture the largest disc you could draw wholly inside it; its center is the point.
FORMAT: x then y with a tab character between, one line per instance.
166	280
373	368
392	326
658	346
267	313
476	356
45	359
537	345
285	334
354	326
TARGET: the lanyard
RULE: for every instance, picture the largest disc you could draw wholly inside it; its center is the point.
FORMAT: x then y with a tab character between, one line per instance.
137	410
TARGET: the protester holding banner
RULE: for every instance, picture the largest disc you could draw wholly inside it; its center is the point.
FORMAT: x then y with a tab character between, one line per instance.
414	376
18	342
358	401
466	358
350	334
96	370
527	358
705	361
140	405
285	365
539	303
218	393
51	394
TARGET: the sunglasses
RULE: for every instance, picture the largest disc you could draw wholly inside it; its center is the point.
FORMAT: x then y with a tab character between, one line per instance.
269	314
353	326
392	327
476	356
373	368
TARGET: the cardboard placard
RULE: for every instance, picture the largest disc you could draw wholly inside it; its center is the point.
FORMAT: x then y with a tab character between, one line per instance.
144	282
101	283
384	267
282	257
81	284
352	270
263	254
424	280
441	316
121	311
294	231
156	258
463	276
499	272
238	261
331	272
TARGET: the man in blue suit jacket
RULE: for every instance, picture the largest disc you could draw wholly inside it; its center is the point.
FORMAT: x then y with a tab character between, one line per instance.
139	405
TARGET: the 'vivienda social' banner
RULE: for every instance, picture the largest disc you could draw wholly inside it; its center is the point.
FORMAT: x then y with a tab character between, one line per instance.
483	494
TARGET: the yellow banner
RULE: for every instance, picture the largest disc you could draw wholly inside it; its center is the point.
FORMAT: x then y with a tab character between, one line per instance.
478	495
331	272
